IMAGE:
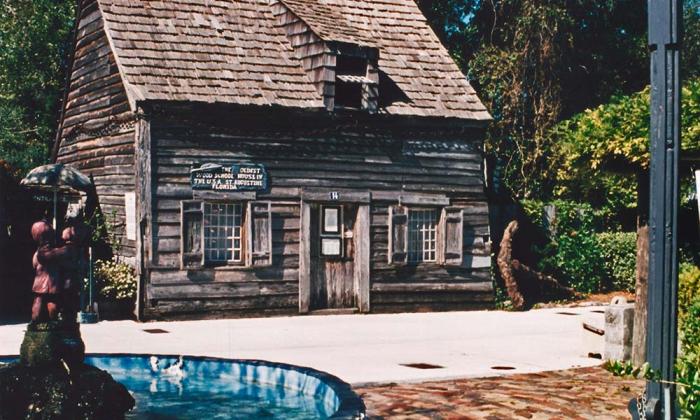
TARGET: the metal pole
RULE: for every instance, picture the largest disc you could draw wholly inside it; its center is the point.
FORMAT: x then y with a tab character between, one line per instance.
665	18
90	282
55	209
697	194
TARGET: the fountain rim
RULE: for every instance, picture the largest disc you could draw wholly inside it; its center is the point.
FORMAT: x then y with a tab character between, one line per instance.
350	405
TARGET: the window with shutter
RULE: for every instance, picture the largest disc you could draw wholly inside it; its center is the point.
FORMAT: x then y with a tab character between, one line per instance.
398	234
228	233
259	231
451	243
422	235
223	233
192	235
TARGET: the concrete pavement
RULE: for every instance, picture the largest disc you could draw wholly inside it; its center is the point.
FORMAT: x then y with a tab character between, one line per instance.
363	349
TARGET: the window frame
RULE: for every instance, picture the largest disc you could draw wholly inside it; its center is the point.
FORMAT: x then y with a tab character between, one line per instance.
242	238
328	235
414	236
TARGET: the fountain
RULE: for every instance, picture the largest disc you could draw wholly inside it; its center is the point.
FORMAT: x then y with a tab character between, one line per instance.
51	379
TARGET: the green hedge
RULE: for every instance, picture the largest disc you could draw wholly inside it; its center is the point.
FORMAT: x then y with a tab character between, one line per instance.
573	254
619	250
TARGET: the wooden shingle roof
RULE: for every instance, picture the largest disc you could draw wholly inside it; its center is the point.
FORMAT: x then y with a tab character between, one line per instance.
233	51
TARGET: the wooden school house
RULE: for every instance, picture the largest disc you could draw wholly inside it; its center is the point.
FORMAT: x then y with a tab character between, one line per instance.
281	156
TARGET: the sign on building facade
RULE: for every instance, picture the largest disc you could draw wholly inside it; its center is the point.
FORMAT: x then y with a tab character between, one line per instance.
237	177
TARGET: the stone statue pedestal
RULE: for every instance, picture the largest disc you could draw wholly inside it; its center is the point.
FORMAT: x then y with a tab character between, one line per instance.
52	342
50	381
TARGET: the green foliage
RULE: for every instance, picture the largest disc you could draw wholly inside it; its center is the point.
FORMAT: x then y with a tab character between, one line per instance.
622	368
106	229
573	255
451	21
518	73
688	290
541	61
690	61
688	378
617	133
115	280
619	251
18	149
688	362
596	153
34	41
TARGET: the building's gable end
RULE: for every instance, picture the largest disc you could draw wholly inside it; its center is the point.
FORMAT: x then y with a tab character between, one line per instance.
97	127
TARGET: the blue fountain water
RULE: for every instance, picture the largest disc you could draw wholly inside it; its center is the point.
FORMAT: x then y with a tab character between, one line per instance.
168	387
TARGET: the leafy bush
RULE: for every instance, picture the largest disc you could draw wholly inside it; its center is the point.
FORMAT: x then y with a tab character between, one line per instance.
688	363
688	289
573	255
619	250
115	280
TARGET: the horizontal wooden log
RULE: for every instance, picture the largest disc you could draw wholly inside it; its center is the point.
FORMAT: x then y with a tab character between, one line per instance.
486	286
437	298
400	307
206	276
216	290
171	308
342	196
171	260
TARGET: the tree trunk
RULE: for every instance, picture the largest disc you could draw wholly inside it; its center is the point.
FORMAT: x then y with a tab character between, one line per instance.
639	339
524	285
639	342
504	261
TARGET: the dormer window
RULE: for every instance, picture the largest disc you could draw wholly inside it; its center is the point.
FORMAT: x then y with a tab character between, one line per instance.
356	84
341	62
350	81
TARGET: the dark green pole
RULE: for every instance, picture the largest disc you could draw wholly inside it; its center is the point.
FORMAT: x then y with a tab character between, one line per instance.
665	18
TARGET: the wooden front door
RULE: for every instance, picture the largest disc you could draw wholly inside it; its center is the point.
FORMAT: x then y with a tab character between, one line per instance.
332	258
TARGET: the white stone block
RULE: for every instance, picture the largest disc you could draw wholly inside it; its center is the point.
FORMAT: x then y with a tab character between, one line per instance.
619	325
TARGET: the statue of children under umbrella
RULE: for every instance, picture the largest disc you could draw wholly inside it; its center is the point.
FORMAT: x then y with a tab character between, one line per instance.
53	333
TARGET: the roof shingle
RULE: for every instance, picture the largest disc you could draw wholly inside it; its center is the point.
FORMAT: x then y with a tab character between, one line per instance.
232	51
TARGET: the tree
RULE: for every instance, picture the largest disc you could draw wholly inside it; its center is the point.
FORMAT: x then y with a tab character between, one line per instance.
518	73
34	42
541	61
615	137
690	60
452	22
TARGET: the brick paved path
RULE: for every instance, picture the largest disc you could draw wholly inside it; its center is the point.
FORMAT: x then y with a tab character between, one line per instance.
586	393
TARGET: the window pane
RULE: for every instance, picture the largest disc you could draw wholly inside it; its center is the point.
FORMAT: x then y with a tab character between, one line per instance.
330	220
223	232
422	234
330	246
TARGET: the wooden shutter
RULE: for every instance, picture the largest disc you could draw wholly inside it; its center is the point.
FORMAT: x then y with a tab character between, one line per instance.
259	234
191	235
450	242
398	234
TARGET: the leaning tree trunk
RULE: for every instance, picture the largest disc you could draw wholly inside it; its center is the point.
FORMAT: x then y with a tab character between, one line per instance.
504	262
524	285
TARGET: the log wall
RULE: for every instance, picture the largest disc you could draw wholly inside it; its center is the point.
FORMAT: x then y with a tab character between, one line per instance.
336	154
97	132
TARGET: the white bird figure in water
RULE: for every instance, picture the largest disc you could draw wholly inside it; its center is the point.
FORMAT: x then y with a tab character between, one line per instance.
154	364
175	369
